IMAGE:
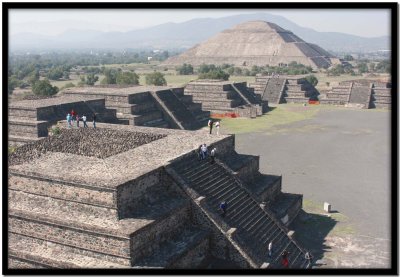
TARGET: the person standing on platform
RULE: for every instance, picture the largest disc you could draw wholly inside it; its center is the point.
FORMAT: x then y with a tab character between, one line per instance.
84	121
217	126
210	124
94	120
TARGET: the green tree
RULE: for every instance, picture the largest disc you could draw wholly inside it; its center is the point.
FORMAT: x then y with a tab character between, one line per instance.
362	67
90	79
156	78
312	79
44	88
13	82
215	74
33	77
55	73
127	78
185	69
384	66
110	76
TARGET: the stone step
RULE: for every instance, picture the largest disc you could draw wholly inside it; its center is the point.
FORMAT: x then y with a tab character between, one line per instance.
230	94
93	214
69	191
301	100
258	218
120	242
202	175
158	123
187	249
17	125
22	139
213	186
55	255
228	190
26	113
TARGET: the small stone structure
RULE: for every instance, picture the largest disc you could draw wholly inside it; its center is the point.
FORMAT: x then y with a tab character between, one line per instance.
29	120
284	89
144	201
219	97
364	94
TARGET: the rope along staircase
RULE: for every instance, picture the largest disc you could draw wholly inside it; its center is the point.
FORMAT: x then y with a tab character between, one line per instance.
255	226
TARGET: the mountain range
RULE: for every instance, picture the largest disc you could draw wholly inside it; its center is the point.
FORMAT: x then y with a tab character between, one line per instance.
187	34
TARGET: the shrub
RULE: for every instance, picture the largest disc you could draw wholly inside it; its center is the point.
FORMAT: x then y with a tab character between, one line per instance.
312	79
44	88
156	78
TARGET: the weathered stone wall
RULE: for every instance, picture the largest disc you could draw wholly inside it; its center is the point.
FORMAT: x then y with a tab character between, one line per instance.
129	194
20	264
63	190
193	257
148	239
73	236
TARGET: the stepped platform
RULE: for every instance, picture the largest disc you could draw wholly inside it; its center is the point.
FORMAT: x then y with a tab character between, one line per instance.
364	94
80	200
218	96
136	105
30	119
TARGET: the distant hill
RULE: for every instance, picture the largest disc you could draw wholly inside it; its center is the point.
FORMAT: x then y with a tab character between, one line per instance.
186	34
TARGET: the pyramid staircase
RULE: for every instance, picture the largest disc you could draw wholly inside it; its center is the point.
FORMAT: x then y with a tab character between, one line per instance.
220	97
254	226
284	90
381	97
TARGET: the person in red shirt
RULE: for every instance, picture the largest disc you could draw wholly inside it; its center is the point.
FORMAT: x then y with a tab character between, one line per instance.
73	116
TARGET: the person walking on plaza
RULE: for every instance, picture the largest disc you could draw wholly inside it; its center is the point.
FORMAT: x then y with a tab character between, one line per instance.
212	155
270	249
94	120
210	124
69	120
217	126
308	257
77	120
84	121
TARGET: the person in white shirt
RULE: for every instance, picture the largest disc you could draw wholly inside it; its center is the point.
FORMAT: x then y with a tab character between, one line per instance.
212	155
217	126
84	121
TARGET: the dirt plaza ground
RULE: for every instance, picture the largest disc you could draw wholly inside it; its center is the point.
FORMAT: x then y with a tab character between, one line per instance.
340	156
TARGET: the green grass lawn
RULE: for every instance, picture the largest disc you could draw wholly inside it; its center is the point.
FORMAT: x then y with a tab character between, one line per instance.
281	115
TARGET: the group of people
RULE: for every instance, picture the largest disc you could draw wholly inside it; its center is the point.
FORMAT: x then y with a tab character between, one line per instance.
73	116
211	123
285	256
203	153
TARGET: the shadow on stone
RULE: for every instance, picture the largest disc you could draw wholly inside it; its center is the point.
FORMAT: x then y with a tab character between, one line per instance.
311	231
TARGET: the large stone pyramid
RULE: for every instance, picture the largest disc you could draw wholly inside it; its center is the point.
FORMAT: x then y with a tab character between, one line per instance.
255	43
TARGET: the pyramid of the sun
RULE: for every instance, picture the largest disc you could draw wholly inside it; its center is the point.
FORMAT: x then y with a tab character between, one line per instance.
255	43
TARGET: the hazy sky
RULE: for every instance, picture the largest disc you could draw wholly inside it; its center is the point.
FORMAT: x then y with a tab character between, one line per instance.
366	23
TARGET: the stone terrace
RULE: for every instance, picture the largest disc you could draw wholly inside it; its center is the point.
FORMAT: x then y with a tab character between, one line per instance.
218	96
30	119
128	209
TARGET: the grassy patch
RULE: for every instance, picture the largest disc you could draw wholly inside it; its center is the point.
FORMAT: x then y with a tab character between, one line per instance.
281	115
